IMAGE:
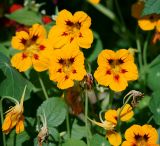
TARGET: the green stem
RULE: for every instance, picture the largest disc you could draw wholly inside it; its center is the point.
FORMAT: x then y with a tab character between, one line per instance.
145	49
68	125
43	87
120	14
150	119
104	11
86	117
139	50
111	96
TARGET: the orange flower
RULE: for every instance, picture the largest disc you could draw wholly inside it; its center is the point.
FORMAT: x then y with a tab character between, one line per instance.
150	22
71	30
138	135
14	117
67	66
116	69
94	1
34	49
111	118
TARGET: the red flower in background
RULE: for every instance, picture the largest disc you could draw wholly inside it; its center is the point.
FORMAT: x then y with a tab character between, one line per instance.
15	7
46	19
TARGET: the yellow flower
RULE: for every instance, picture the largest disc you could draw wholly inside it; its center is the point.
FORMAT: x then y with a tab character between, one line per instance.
94	1
67	66
137	9
116	69
33	47
14	117
149	22
111	119
71	30
138	135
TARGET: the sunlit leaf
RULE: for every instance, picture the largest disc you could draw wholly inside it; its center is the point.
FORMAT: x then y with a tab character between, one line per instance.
98	140
25	16
151	7
78	132
55	111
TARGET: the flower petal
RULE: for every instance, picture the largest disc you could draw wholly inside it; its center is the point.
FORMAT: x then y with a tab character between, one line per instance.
114	138
20	125
85	38
20	62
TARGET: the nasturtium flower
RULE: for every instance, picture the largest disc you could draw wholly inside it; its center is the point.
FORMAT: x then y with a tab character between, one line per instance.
138	135
66	67
150	22
94	1
14	117
71	30
34	49
110	122
116	69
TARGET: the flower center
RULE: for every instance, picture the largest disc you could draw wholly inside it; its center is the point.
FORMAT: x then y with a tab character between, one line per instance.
115	64
73	28
141	140
66	65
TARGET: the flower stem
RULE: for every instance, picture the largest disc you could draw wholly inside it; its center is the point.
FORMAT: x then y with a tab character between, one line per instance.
68	125
111	95
145	49
139	50
120	14
43	87
86	117
104	11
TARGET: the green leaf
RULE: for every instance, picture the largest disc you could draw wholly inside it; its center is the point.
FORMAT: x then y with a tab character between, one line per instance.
78	132
151	7
19	139
53	132
25	16
98	140
155	106
73	142
154	77
55	111
97	48
13	84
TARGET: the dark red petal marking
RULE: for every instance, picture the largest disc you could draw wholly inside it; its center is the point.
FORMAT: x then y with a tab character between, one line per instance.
123	71
116	77
80	35
23	41
108	72
59	70
66	77
24	56
74	71
36	56
72	60
110	61
64	34
61	61
42	47
34	38
120	61
71	39
69	23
